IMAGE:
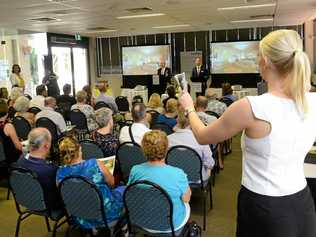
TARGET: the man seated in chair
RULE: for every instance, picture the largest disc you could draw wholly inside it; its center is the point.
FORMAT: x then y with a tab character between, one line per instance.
184	136
173	180
200	107
39	144
103	97
50	113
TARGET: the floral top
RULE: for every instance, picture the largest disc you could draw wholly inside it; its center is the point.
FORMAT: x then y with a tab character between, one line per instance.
89	113
108	143
113	200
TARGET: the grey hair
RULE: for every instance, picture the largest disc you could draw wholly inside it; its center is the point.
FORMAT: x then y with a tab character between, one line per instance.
103	116
36	138
22	104
15	93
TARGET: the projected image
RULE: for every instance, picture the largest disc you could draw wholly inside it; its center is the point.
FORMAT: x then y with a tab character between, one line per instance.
235	57
144	60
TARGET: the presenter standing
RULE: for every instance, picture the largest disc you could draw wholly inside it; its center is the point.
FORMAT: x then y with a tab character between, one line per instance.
278	131
200	75
164	74
16	79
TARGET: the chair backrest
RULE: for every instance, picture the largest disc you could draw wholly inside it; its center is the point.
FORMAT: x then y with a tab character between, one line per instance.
82	199
26	189
79	119
129	154
101	104
91	149
2	154
148	207
34	110
50	125
188	160
22	127
65	108
154	116
212	113
122	103
163	127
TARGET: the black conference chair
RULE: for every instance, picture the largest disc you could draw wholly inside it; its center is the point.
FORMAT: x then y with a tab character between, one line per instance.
122	104
91	149
162	127
129	154
50	125
22	127
4	165
83	200
64	109
79	119
34	110
28	193
149	207
190	162
101	104
212	113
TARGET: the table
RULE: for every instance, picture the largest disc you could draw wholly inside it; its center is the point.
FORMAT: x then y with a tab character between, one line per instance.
310	173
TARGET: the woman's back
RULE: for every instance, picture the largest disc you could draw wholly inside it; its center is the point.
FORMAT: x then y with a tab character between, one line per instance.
273	165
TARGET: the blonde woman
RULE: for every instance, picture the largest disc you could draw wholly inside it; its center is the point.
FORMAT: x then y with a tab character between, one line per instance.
155	103
278	130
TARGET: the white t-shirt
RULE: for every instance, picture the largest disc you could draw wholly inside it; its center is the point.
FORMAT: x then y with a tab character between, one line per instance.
274	165
138	131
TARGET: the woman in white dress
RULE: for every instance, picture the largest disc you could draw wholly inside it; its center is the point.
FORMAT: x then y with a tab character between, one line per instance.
16	78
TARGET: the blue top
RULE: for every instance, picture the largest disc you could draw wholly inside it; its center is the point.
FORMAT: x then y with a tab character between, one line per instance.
113	201
170	121
46	173
231	97
173	180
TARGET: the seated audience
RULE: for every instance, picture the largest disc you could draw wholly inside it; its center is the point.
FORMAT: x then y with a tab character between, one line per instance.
109	100
184	136
39	144
104	135
16	92
66	98
39	100
90	99
213	104
173	180
171	91
200	107
4	94
88	111
155	103
227	92
169	117
137	130
96	172
10	141
49	112
21	106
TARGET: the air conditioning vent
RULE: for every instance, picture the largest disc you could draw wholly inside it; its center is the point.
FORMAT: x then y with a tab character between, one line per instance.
43	19
62	12
98	28
139	10
262	16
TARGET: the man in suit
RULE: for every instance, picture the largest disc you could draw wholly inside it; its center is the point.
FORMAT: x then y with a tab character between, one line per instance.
164	74
200	74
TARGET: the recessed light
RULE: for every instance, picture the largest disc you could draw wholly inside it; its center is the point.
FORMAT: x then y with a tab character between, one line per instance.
99	31
252	20
140	16
170	26
246	7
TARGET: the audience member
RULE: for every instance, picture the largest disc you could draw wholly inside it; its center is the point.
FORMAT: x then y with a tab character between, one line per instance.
184	136
173	180
16	92
155	103
66	98
39	144
90	99
39	100
21	106
137	130
10	141
96	172
50	80
169	117
104	136
227	92
200	107
109	100
88	111
171	91
55	117
213	104
4	94
16	78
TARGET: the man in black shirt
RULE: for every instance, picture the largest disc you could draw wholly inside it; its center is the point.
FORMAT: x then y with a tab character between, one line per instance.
65	101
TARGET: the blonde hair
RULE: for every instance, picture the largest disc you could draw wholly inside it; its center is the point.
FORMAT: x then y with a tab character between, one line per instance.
22	104
68	150
15	93
81	96
171	106
155	145
154	101
284	50
182	120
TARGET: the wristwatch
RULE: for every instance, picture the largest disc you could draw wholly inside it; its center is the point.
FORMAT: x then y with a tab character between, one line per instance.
188	111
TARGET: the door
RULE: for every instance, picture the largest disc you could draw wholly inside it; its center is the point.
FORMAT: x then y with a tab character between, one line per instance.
71	67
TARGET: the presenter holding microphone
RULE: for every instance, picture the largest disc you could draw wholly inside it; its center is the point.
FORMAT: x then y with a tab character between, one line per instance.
164	74
278	129
200	75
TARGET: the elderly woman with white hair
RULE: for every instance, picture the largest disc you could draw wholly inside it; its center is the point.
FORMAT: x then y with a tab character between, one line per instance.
104	135
21	106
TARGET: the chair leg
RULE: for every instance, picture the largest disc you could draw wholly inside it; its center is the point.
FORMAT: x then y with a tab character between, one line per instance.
204	209
47	224
55	229
8	194
17	229
211	197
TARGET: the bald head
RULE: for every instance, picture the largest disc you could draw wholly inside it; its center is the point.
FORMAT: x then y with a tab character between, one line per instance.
201	103
139	112
50	102
210	94
39	139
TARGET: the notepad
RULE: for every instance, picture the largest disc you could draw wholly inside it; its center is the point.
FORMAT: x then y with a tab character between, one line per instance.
109	163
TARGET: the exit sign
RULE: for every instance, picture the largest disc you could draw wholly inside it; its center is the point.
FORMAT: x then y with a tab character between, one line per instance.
77	37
